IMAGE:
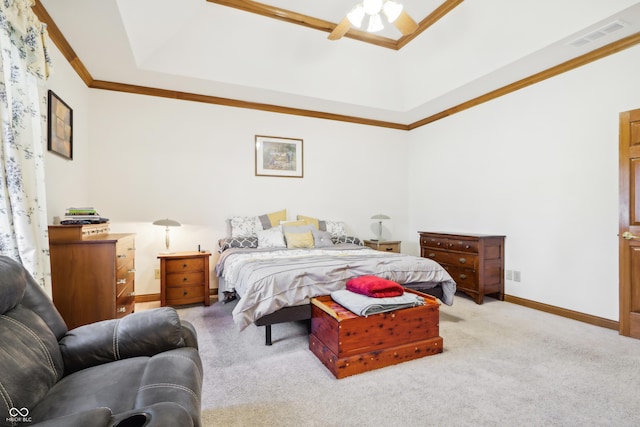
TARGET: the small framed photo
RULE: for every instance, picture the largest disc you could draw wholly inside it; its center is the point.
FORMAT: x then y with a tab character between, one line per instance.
277	156
60	127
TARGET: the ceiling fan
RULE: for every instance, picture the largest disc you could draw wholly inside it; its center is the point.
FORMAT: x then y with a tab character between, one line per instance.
372	9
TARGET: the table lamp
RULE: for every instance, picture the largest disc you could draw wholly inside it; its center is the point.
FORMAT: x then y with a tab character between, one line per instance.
167	223
380	218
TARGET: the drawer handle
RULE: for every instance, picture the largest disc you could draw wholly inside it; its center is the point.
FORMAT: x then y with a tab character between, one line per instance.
463	276
184	279
131	249
388	249
432	255
438	244
184	293
132	294
184	265
121	256
133	270
121	281
462	260
122	310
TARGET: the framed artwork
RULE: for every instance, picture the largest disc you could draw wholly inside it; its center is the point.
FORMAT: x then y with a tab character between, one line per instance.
279	157
60	127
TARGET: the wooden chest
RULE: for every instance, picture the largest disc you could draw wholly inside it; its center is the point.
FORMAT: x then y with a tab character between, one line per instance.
348	344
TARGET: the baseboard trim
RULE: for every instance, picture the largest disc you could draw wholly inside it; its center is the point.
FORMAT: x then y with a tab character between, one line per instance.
575	315
147	298
156	297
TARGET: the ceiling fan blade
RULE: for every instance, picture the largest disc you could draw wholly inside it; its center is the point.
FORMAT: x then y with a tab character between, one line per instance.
340	29
405	23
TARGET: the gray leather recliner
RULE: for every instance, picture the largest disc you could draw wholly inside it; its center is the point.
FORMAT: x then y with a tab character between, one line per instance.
141	370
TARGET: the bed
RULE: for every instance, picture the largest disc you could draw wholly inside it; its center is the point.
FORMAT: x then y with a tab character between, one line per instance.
273	267
275	285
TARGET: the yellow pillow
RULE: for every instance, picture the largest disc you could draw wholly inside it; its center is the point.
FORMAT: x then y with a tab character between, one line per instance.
310	221
299	240
276	217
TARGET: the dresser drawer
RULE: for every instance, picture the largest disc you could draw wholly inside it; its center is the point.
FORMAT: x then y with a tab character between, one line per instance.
464	277
125	302
182	294
451	244
464	260
179	265
125	253
434	241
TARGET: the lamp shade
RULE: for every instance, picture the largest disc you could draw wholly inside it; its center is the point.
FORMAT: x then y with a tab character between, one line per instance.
380	216
166	223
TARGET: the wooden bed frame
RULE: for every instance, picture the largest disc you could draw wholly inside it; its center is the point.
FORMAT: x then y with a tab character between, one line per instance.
303	312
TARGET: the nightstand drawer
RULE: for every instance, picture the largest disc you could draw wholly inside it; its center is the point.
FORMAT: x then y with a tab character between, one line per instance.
190	278
185	294
186	264
390	246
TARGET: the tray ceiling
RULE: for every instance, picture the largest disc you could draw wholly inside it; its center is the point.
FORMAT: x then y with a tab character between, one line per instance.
219	49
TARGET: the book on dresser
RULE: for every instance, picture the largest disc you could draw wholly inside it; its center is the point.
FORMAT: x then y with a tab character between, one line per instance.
92	272
474	261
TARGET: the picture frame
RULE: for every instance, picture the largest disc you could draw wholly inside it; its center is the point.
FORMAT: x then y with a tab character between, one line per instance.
278	156
59	127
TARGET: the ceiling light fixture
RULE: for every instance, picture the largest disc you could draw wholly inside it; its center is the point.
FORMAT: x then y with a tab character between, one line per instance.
372	8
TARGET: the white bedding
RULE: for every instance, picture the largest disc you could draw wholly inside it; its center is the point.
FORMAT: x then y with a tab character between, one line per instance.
268	280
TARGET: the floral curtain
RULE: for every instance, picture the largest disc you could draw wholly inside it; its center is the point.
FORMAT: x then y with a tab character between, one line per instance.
24	68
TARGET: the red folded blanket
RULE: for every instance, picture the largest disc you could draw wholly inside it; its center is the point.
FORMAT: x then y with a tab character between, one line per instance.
373	286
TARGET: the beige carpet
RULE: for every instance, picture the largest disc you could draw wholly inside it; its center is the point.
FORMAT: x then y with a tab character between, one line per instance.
503	365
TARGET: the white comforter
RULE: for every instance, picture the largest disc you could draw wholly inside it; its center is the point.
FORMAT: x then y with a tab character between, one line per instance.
268	280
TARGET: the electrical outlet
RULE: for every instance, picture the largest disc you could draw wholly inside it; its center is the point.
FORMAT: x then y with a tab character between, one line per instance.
509	275
516	276
157	272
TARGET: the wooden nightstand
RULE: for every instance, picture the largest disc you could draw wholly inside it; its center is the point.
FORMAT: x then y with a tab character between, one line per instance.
384	246
184	278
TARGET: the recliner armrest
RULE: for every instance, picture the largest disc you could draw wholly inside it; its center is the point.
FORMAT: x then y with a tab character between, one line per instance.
156	415
139	334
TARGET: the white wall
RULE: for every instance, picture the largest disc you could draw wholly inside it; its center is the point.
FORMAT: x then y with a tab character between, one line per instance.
541	167
538	165
153	158
68	180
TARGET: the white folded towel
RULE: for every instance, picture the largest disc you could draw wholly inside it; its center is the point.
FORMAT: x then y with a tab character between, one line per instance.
363	305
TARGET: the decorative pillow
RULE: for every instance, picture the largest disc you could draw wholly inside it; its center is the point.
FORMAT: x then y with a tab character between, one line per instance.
273	219
299	240
312	221
347	239
237	242
244	226
321	239
293	223
248	226
288	228
271	238
336	228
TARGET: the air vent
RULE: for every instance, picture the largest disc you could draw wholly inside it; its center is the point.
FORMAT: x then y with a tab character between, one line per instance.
610	28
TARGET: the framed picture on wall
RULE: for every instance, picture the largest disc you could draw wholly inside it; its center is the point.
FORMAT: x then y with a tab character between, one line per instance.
277	156
60	127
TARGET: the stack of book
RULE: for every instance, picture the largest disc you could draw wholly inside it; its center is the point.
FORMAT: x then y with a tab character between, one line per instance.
82	216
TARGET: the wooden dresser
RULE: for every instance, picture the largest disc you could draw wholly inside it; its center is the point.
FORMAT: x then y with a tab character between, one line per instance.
474	261
92	273
184	278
